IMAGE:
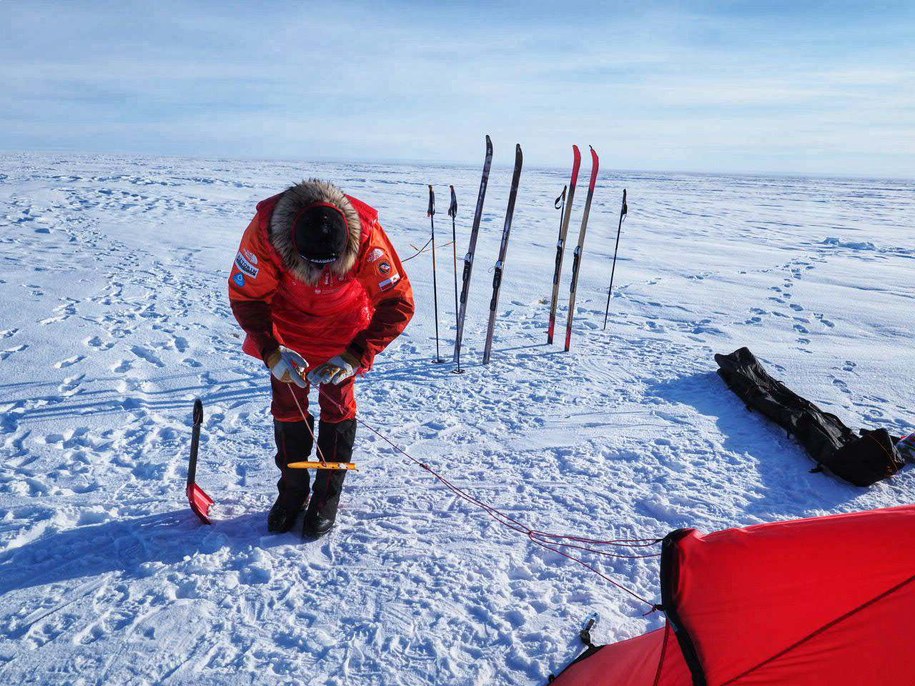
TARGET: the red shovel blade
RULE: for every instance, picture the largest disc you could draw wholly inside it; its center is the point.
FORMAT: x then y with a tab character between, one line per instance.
200	502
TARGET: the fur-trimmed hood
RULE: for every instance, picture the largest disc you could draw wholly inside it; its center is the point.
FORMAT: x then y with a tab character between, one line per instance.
294	199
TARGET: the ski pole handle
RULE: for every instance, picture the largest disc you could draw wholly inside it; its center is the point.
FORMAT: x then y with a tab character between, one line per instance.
431	210
452	209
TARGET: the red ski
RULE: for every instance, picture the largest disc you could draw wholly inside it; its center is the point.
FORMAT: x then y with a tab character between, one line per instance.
576	263
561	243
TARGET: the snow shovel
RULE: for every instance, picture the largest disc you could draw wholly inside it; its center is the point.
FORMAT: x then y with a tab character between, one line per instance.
196	496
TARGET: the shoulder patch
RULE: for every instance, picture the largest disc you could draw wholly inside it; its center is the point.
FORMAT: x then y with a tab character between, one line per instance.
239	280
244	264
390	282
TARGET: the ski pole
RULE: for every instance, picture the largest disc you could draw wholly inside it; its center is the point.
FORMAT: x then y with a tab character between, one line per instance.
438	359
623	210
452	212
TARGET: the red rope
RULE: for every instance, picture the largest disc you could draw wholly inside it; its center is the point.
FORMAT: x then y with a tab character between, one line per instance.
543	539
308	426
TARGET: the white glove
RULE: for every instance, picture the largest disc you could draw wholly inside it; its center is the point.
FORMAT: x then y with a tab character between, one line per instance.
285	365
335	370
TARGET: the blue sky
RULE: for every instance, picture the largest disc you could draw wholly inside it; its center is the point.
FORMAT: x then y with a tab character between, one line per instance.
815	87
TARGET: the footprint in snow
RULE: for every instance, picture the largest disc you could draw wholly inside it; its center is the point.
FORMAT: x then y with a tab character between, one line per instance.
825	322
841	385
71	384
147	355
9	351
69	362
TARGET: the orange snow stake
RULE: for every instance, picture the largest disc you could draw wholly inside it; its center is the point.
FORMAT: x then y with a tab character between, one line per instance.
199	500
322	465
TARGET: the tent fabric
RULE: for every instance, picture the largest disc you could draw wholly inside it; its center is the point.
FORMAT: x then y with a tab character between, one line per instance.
809	602
860	460
636	662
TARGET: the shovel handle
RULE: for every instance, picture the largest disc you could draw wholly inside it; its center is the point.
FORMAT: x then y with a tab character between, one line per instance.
195	443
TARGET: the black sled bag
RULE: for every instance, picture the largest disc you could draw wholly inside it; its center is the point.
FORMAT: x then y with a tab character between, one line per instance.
860	460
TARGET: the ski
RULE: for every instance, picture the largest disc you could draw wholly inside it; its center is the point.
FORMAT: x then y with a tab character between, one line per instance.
503	249
468	258
576	260
560	244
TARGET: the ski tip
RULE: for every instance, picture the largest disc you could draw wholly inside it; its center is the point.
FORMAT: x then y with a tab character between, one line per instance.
576	151
488	141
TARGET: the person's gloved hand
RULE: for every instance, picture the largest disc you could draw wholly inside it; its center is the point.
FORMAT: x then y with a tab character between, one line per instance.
285	365
335	370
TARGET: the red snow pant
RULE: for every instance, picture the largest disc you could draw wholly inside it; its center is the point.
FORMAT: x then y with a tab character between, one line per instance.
337	402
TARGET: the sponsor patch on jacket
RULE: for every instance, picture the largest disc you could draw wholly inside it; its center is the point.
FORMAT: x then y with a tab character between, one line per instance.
390	282
245	266
250	256
239	280
375	255
384	267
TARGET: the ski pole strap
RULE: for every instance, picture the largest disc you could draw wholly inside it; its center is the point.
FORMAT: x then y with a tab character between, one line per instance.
431	209
452	209
561	199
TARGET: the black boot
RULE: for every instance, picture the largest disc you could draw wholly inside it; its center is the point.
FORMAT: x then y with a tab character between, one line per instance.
335	441
315	526
293	444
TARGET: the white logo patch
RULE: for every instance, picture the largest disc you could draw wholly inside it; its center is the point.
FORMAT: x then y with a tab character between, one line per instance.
389	283
245	267
375	255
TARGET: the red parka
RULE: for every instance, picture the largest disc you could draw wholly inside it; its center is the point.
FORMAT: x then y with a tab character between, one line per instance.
357	304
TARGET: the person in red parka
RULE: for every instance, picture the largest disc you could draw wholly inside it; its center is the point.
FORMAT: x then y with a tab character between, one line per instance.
319	290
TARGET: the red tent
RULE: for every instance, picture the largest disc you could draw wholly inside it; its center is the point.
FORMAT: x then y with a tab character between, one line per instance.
809	602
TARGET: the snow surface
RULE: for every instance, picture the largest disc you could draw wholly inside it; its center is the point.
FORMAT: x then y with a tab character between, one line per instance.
113	317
